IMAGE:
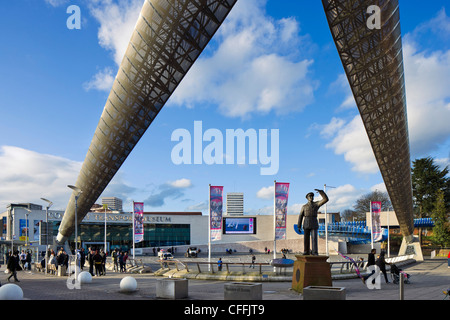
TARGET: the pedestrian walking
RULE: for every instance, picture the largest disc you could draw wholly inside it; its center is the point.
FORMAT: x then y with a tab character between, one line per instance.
103	255
97	258
115	257
253	262
28	260
125	258
90	257
370	262
121	261
448	259
12	266
381	263
23	259
219	264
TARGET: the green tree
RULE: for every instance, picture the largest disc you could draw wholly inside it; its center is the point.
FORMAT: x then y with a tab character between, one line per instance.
427	180
441	230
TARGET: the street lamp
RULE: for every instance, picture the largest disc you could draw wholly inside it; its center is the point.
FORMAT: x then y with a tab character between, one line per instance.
49	204
326	220
26	235
77	192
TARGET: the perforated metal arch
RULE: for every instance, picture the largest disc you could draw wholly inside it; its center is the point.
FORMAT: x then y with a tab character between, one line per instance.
373	63
168	38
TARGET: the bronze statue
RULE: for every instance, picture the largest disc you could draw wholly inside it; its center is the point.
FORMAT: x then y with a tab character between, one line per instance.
311	225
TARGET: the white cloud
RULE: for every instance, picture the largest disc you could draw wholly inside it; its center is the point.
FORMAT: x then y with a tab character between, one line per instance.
102	81
246	74
27	176
117	21
181	183
427	75
57	3
266	193
350	139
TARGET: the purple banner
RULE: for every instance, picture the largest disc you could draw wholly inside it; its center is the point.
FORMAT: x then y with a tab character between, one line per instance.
215	213
376	223
281	200
138	208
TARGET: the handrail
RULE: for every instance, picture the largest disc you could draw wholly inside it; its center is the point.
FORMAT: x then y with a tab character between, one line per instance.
166	263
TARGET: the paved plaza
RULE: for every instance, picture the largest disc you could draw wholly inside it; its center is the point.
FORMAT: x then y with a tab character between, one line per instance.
428	279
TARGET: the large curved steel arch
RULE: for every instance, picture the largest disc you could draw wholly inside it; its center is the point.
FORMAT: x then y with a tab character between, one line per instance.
373	63
168	38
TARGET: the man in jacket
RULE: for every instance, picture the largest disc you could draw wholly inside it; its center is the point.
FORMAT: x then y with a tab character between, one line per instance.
311	225
13	262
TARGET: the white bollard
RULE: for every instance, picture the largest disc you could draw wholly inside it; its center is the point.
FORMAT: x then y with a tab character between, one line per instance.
128	284
84	277
11	292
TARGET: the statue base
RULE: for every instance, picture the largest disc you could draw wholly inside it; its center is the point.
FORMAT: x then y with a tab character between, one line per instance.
311	271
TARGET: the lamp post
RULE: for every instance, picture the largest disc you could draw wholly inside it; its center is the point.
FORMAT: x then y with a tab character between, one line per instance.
49	204
326	220
77	192
26	226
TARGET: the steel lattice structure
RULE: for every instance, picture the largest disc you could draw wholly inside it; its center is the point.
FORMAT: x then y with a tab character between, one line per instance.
373	63
168	38
170	35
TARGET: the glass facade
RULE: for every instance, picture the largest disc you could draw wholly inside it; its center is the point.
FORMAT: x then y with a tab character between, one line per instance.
121	235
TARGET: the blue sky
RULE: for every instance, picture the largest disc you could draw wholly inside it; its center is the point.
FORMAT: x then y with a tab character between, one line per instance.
272	65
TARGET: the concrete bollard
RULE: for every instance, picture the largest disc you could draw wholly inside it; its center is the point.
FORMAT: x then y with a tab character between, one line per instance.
172	288
243	291
11	292
128	284
324	293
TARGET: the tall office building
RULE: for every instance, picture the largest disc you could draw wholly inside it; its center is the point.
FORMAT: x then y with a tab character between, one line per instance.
235	204
114	204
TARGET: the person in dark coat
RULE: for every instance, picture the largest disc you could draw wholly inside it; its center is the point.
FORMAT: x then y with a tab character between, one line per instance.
91	261
381	263
13	263
97	258
370	262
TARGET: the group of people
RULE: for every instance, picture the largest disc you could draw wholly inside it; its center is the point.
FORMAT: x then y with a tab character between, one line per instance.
380	262
119	260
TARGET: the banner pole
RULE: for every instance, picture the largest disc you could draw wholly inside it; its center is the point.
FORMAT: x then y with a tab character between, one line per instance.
371	225
209	228
274	221
132	221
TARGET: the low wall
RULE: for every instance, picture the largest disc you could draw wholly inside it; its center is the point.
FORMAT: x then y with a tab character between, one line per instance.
294	246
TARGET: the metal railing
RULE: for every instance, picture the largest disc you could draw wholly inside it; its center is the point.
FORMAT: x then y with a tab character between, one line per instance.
213	267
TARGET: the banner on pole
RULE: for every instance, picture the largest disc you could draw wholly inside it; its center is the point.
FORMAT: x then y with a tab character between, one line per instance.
281	200
138	210
215	213
376	222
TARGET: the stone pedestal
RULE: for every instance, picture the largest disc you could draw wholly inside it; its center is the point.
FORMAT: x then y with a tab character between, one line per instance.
311	271
243	291
323	293
412	248
172	288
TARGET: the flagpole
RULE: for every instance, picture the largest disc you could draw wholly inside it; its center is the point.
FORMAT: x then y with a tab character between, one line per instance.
371	225
274	221
209	228
132	221
105	207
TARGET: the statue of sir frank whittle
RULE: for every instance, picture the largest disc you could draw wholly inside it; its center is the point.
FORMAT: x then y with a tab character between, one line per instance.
308	213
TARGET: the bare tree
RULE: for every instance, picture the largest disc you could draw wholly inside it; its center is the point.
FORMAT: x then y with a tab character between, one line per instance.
362	205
